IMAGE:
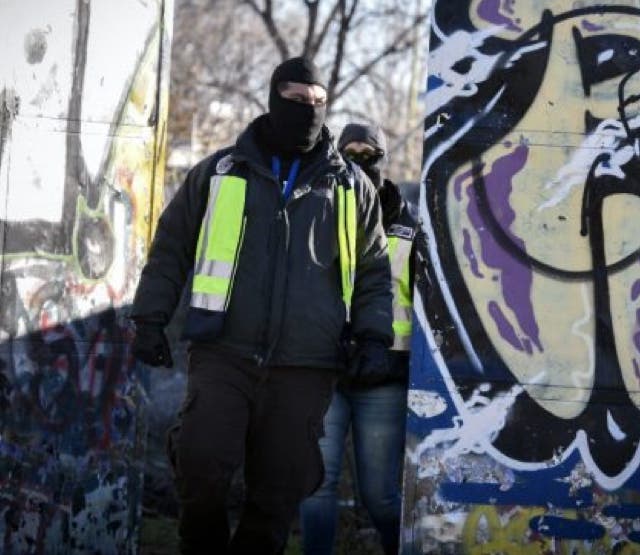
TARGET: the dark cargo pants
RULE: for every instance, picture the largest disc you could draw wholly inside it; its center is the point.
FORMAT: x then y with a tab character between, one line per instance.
270	418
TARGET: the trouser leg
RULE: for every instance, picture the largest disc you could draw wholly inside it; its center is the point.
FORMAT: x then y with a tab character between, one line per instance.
319	513
379	416
206	446
283	464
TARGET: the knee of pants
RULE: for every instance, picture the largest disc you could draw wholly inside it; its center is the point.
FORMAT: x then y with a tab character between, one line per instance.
278	490
306	477
197	474
278	506
203	491
382	506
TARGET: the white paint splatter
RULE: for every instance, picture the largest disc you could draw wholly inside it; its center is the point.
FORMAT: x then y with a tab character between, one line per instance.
614	165
446	527
426	404
455	47
604	140
579	378
615	430
577	479
476	432
525	50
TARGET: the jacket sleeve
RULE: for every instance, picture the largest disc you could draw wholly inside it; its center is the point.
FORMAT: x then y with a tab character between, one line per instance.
371	305
172	251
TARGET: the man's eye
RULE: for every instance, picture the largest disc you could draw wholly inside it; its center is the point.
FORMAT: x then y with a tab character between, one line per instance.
358	156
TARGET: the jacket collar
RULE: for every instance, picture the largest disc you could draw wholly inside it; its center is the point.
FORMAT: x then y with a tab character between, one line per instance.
323	157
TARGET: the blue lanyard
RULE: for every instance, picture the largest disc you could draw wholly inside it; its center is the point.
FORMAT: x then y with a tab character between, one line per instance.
287	186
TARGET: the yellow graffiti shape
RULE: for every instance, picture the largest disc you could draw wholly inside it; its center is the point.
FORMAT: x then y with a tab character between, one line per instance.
490	532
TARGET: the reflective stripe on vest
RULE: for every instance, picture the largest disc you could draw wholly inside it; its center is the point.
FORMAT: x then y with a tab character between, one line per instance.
222	232
347	229
399	253
219	243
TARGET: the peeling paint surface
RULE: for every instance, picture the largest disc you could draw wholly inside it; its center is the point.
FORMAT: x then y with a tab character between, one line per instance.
426	404
83	104
524	403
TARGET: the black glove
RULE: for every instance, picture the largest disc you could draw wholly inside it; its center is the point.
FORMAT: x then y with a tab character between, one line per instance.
370	363
150	344
391	202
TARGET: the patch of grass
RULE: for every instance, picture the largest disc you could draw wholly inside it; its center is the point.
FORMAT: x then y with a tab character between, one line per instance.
159	536
294	547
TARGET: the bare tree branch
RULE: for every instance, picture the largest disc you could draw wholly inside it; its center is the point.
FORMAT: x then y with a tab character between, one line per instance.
266	15
399	43
324	31
406	136
354	114
312	19
356	42
345	19
234	89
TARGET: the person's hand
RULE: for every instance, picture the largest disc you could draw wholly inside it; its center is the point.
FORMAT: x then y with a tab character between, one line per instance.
370	363
150	344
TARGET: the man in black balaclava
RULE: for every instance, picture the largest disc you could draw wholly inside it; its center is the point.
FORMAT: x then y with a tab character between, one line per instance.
371	398
293	126
366	145
258	234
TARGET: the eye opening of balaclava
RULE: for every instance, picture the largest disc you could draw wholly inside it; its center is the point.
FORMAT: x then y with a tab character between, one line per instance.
373	136
295	126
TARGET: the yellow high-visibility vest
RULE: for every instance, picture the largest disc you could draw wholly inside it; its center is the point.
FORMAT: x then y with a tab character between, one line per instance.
399	257
222	233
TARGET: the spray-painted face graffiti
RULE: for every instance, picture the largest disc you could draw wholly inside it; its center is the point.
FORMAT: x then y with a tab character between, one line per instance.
533	190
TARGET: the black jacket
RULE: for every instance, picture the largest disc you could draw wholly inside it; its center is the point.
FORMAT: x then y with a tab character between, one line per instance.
398	220
286	305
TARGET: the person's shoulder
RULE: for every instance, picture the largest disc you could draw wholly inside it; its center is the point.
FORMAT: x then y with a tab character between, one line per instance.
219	162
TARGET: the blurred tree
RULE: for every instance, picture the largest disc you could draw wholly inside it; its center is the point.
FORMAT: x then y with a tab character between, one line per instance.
371	53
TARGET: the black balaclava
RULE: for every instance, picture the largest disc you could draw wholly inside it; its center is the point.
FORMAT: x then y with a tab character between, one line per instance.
373	136
294	127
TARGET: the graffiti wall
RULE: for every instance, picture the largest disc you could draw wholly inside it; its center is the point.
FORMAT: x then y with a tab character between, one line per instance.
524	407
83	97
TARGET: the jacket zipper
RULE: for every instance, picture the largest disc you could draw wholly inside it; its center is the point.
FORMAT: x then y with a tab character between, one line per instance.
284	213
268	349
